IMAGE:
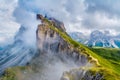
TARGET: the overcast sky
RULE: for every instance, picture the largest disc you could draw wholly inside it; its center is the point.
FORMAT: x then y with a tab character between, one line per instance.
77	15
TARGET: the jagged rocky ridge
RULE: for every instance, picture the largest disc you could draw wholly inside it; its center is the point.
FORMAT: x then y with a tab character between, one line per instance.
56	58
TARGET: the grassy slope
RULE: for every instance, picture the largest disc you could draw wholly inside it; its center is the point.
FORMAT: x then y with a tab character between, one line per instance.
108	65
111	55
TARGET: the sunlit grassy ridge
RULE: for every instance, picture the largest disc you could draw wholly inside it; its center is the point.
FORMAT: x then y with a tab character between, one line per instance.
110	54
106	61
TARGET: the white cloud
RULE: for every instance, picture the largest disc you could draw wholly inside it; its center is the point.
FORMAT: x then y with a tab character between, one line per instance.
74	14
68	11
104	21
8	26
101	21
2	39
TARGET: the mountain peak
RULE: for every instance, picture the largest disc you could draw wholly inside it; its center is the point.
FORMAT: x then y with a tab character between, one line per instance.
56	23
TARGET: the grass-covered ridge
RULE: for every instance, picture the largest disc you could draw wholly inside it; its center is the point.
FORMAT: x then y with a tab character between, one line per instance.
110	54
107	61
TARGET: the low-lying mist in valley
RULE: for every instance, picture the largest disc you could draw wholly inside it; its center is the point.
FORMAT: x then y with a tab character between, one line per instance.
22	50
52	66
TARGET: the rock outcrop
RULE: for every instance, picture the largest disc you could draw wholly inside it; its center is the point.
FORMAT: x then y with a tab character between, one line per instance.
49	40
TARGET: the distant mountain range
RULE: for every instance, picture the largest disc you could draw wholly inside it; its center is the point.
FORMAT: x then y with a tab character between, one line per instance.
97	39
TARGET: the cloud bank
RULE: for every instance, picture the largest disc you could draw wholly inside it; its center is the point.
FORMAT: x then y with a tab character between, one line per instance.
77	15
8	26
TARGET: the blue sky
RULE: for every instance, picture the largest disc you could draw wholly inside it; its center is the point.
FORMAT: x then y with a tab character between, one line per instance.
77	15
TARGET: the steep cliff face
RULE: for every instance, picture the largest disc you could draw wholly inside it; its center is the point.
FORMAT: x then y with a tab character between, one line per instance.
49	41
55	54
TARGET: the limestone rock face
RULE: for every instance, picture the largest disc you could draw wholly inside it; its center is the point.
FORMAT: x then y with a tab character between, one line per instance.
58	24
81	74
90	76
49	40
